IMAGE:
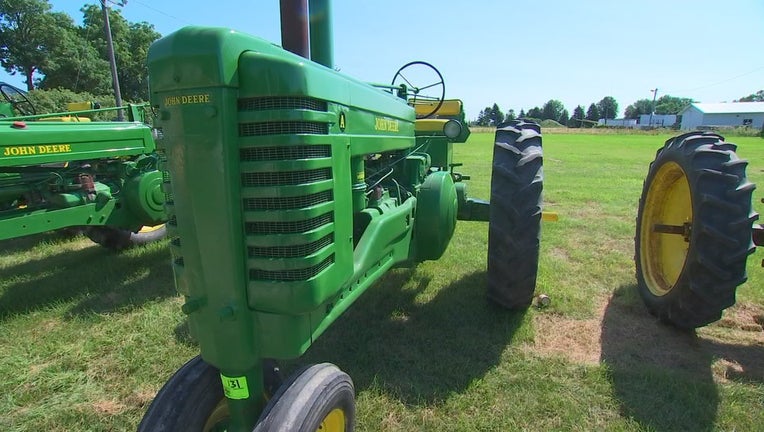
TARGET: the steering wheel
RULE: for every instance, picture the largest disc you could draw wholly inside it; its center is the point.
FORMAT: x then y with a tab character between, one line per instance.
17	99
431	94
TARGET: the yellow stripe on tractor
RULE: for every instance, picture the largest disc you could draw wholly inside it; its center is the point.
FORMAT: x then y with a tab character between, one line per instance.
430	125
451	108
75	119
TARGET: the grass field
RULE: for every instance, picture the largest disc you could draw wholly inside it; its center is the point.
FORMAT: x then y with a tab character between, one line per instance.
88	337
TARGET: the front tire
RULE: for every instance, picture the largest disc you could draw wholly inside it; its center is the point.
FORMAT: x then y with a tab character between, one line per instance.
514	229
118	239
316	398
192	400
694	230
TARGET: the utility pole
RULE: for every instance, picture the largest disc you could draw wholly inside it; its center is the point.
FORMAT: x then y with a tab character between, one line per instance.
112	60
652	109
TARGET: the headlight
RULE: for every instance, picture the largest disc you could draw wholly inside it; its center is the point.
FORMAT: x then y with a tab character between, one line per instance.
452	129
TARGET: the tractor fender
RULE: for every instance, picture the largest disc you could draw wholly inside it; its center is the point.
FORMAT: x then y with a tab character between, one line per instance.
435	216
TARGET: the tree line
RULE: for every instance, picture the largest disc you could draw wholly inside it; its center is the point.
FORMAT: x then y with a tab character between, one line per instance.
553	109
51	51
606	108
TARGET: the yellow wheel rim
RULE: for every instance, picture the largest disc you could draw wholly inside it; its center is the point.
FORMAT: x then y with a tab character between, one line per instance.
333	422
218	419
148	229
664	230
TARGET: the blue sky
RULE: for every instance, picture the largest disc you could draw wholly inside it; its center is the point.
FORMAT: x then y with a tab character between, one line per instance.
518	55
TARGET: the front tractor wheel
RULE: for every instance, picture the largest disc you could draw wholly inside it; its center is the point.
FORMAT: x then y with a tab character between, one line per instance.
693	232
316	398
192	400
118	239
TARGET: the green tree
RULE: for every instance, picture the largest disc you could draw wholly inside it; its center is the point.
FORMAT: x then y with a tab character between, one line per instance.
483	118
49	101
535	113
76	64
552	110
642	106
607	107
755	97
564	117
495	116
593	113
28	32
578	116
510	115
522	113
671	105
131	44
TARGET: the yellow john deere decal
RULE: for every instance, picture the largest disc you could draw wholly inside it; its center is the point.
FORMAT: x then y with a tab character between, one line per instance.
385	124
37	150
187	100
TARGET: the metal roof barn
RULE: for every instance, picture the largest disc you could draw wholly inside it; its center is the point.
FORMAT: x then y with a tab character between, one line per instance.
702	115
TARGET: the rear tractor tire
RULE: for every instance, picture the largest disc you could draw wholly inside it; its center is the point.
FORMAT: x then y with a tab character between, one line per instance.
514	229
694	230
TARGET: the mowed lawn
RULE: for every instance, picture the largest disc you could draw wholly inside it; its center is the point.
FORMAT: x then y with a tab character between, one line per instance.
88	337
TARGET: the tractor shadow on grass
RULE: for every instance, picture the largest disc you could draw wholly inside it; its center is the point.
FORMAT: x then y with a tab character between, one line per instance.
20	244
93	279
663	377
416	345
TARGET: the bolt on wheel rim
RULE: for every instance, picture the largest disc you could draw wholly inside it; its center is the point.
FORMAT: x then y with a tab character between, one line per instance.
333	422
664	230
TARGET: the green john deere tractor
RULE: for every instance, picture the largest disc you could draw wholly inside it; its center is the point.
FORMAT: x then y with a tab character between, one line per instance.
695	230
63	170
292	189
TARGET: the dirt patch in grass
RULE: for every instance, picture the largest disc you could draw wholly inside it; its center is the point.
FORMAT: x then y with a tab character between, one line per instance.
575	339
747	317
623	334
140	398
559	254
108	407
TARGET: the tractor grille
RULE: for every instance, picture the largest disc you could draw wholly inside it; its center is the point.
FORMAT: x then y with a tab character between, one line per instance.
291	275
287	189
291	251
281	103
284	203
285	178
283	128
254	154
288	227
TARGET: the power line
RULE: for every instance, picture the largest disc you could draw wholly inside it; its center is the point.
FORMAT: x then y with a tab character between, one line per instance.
715	83
161	12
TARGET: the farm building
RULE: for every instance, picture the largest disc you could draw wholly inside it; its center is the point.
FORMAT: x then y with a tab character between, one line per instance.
699	115
621	122
657	120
